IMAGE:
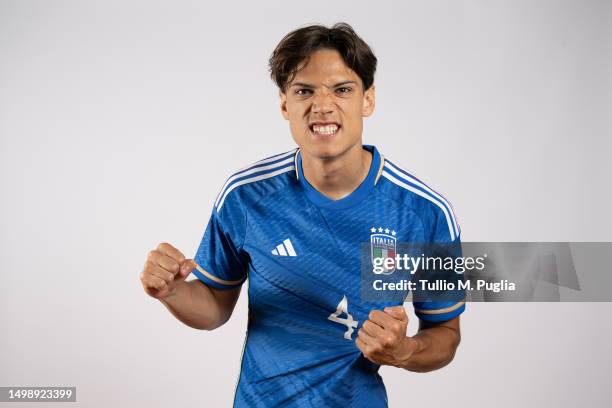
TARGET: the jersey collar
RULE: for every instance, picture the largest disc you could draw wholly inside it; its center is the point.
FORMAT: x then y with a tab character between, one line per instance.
358	195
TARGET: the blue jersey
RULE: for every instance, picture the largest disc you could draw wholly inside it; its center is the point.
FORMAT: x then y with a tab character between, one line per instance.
300	251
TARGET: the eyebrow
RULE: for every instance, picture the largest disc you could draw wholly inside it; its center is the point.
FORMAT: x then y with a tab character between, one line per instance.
305	85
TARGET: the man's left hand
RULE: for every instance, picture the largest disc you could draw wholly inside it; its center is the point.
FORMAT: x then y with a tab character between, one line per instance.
382	338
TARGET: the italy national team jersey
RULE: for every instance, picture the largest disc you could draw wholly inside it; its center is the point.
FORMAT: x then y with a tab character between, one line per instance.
300	252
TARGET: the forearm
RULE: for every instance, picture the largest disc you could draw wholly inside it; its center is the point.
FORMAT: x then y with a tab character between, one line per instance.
197	305
435	348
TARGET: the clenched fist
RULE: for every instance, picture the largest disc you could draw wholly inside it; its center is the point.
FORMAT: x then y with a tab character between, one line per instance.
165	267
382	338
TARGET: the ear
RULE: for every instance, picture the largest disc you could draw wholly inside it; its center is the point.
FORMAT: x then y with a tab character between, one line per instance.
369	101
283	104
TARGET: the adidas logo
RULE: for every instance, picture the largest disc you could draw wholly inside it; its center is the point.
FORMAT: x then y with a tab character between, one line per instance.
284	249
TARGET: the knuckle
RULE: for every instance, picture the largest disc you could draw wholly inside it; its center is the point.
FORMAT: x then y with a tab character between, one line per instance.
162	246
384	341
152	255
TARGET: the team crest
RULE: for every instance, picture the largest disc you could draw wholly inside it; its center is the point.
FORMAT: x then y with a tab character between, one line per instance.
383	245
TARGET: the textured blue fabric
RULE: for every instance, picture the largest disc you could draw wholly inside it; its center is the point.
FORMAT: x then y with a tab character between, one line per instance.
295	355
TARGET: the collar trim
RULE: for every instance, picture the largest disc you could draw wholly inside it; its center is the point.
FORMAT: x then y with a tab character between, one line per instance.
295	163
380	169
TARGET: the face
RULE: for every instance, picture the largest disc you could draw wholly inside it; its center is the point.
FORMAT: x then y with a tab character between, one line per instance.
325	105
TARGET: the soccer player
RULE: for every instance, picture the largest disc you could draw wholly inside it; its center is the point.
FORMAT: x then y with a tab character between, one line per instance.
292	224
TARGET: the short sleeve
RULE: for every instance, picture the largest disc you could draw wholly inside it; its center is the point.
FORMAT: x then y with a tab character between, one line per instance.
443	305
220	260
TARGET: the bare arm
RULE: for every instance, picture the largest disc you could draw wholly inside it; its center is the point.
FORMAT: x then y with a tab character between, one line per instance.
435	345
193	303
200	306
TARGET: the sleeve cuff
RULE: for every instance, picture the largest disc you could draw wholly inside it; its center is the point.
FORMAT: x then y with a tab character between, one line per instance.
212	280
434	313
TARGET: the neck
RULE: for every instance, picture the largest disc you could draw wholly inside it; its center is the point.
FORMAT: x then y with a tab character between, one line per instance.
339	176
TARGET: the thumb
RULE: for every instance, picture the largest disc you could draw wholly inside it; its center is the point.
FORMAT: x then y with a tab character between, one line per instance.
187	266
397	312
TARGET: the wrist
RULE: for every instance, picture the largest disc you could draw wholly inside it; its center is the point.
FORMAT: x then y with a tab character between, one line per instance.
174	288
410	347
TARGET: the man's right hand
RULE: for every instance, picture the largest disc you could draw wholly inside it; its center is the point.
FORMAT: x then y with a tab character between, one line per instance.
165	267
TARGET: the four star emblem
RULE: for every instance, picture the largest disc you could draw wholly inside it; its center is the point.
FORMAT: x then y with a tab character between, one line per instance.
380	229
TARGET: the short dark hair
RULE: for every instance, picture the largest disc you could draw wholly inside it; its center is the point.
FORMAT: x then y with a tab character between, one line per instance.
298	45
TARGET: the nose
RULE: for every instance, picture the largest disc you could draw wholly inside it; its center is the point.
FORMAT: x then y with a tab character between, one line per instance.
322	102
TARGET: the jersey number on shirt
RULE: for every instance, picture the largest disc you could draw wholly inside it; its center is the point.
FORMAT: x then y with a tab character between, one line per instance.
349	322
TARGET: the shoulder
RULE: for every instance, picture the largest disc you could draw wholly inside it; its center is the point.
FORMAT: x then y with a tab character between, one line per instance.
404	187
257	180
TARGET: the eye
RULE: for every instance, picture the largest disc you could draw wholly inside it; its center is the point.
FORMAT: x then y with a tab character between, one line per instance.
303	91
344	90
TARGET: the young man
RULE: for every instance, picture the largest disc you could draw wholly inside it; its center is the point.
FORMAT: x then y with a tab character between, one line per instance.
293	224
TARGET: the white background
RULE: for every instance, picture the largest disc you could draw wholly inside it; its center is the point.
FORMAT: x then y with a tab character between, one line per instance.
120	120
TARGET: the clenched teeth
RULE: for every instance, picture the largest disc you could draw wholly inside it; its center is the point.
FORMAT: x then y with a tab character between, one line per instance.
325	130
